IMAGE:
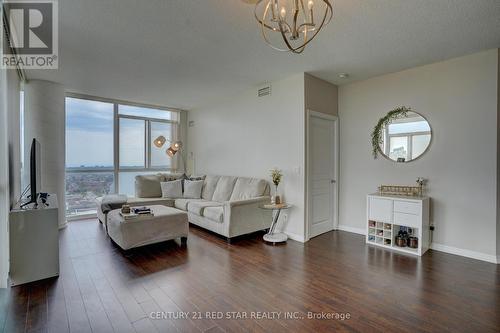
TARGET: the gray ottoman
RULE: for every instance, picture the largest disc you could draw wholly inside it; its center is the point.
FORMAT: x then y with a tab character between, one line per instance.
166	224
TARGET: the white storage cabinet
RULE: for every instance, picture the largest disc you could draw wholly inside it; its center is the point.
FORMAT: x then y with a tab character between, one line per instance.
386	215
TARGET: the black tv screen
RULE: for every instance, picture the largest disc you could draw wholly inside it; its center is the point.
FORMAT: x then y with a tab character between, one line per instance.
35	170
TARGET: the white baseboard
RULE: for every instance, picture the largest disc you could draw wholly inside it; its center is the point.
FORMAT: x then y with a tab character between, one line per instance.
360	231
465	253
295	237
438	247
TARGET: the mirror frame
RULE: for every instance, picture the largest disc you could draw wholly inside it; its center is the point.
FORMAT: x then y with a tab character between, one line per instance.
419	156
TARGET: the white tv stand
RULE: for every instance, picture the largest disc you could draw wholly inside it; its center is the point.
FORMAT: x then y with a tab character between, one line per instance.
386	214
34	242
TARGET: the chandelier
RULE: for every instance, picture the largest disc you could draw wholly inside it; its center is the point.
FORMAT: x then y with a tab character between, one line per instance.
289	25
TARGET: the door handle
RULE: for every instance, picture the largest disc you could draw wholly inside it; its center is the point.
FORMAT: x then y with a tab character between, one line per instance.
333	181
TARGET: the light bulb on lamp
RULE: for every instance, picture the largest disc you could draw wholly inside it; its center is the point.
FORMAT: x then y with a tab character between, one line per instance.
176	145
310	4
160	141
170	152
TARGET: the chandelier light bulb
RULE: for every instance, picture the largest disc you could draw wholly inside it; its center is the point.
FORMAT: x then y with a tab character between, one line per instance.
283	12
310	4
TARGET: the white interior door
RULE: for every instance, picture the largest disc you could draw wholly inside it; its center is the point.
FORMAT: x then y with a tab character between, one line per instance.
321	176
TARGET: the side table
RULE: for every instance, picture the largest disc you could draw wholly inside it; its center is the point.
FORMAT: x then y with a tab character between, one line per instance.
272	236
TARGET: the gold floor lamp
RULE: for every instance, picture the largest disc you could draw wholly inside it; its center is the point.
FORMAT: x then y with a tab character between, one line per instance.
175	147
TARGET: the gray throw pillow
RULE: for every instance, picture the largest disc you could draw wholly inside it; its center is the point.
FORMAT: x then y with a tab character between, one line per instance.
172	189
192	189
148	186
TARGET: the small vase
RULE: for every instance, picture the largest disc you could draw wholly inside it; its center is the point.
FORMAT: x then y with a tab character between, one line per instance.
277	199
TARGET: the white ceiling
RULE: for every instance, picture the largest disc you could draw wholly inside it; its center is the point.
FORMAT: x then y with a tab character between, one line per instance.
186	53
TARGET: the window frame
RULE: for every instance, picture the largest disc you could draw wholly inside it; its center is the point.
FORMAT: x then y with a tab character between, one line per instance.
409	139
148	142
116	169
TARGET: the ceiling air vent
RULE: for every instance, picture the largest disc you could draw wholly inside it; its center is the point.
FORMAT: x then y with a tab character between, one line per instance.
264	91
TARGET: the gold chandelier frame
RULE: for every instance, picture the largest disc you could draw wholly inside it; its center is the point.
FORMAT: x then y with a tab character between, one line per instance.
293	30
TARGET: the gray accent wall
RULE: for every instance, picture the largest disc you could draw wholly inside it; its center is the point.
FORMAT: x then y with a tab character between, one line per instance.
320	95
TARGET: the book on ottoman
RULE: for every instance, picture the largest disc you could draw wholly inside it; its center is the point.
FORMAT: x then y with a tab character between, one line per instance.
136	212
142	210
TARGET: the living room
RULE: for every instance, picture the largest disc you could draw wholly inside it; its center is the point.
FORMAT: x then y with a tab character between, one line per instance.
231	166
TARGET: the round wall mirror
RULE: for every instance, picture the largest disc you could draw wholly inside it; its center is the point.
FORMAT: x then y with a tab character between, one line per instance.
406	138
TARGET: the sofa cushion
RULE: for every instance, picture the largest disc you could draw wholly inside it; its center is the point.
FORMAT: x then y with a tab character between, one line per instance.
197	207
148	186
183	203
209	187
192	189
214	213
224	188
246	188
171	189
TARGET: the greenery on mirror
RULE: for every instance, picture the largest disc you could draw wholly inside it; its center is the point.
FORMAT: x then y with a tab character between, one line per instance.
378	131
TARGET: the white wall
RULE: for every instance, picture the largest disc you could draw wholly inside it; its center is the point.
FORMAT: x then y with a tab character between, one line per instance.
9	145
4	181
459	98
13	105
45	120
498	158
247	136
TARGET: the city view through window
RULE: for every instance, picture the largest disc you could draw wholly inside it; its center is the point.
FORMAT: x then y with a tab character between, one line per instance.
91	169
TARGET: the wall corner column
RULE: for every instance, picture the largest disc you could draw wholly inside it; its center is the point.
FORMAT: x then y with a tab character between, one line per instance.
45	119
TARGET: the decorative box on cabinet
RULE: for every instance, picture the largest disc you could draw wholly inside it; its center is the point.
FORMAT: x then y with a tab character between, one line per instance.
386	215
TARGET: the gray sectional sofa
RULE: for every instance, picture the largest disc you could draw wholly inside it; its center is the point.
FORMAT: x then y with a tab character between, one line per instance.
228	206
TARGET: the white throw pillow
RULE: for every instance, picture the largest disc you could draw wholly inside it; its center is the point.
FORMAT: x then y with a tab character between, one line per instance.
172	189
192	189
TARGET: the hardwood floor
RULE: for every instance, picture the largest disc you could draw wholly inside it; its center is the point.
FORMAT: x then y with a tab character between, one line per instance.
102	289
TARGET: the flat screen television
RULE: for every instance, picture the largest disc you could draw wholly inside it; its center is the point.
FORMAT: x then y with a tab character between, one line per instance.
35	172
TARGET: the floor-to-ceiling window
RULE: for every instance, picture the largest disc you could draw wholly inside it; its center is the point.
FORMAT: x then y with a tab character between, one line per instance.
107	144
138	127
